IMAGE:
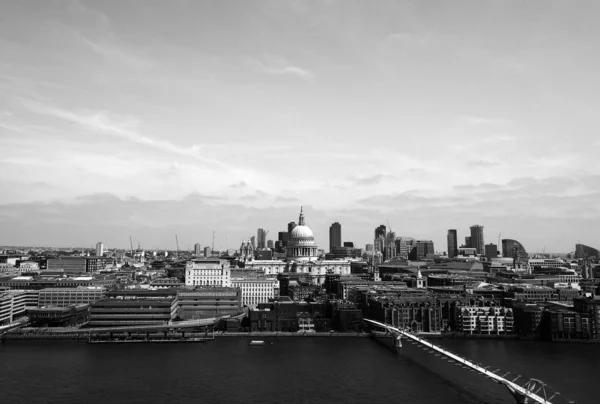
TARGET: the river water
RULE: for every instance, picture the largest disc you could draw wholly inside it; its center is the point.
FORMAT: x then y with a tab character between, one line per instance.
290	370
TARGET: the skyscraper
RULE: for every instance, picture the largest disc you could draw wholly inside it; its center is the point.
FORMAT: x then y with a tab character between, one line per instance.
380	231
283	237
207	251
261	238
197	249
468	242
452	243
335	236
99	249
423	247
477	239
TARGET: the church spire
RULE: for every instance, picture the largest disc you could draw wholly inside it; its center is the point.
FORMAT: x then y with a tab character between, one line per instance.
301	218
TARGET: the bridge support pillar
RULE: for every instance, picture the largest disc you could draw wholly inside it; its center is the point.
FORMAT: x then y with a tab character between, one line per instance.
519	397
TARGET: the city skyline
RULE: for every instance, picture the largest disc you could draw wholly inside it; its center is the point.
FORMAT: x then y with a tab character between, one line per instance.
153	119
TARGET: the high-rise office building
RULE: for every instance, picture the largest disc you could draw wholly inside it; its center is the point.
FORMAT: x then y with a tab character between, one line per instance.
270	244
197	249
513	249
207	252
423	247
253	242
283	237
477	239
335	236
468	242
261	238
452	243
291	226
99	249
380	231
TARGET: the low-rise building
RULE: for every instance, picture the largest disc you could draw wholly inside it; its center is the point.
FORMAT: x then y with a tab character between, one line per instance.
133	312
64	297
59	316
207	302
485	320
257	289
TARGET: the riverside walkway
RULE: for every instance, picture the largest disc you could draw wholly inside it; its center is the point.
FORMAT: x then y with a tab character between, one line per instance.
531	391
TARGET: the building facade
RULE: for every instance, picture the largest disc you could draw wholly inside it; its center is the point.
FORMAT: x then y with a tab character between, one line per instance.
335	236
485	320
64	297
208	272
452	243
513	249
477	240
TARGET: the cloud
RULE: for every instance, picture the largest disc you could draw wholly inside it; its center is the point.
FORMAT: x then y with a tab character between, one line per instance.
119	126
372	180
280	67
482	163
240	184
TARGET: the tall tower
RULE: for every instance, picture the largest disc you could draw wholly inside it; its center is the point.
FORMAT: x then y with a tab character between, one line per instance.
99	249
335	236
261	241
452	243
477	239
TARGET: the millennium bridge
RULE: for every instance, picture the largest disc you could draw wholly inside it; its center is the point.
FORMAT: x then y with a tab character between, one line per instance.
524	392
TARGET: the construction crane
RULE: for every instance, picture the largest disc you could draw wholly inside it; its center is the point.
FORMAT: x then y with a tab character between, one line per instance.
177	242
131	244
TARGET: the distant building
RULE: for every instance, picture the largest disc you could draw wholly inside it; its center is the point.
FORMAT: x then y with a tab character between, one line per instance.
369	247
261	238
335	236
404	246
208	272
452	243
477	239
423	248
586	252
513	249
270	244
283	237
207	252
99	249
78	264
380	231
291	226
468	242
197	249
491	251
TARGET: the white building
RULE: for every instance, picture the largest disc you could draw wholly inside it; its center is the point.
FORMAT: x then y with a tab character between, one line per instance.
99	249
208	272
12	305
256	290
546	263
485	320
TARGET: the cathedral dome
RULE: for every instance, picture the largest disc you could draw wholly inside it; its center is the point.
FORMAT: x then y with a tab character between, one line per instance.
302	231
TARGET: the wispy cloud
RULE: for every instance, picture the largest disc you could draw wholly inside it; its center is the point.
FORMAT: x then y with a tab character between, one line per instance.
106	123
279	67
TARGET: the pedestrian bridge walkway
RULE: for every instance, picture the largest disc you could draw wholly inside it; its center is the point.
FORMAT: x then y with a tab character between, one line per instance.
524	391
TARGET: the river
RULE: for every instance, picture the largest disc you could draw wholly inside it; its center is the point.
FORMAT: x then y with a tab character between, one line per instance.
290	370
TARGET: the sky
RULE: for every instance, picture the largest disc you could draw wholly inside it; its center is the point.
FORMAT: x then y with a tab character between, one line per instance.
153	118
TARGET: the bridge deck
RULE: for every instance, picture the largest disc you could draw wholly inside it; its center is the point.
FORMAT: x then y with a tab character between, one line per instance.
514	388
